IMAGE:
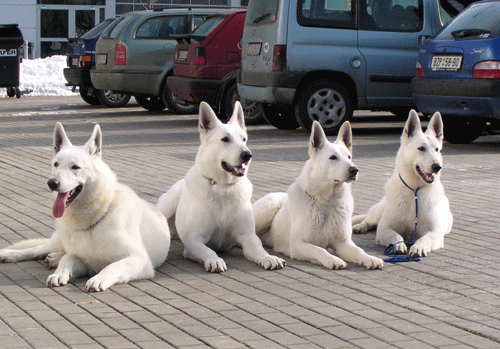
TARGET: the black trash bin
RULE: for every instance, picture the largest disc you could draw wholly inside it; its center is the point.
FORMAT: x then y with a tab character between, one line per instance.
11	40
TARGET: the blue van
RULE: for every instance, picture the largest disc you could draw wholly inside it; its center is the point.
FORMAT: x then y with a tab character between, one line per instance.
320	60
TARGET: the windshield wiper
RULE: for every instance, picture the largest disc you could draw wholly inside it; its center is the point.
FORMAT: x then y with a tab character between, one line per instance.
261	17
464	33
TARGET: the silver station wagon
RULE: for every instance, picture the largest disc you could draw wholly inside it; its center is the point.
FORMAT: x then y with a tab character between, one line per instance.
135	55
320	60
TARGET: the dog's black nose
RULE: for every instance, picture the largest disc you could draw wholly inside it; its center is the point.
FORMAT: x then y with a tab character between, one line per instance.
246	156
436	168
353	170
53	184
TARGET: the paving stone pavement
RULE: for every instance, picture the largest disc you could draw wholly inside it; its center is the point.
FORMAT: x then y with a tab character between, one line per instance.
450	299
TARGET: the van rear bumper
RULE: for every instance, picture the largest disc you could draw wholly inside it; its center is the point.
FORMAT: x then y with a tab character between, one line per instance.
269	87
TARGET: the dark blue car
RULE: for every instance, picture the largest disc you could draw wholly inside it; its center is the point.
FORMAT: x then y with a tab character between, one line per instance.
458	73
81	59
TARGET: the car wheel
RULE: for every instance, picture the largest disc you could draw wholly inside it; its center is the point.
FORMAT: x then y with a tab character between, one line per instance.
254	113
90	99
178	106
462	130
112	99
282	118
154	104
327	102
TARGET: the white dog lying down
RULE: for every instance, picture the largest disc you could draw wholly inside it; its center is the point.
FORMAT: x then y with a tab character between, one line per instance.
211	204
102	226
315	213
414	208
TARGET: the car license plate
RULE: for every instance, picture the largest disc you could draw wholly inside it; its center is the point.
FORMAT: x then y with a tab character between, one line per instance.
254	49
101	59
452	63
75	62
182	56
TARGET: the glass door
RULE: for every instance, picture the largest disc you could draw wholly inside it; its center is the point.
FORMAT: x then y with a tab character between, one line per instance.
57	24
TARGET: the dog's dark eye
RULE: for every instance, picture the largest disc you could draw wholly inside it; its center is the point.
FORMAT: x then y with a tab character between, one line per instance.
75	167
225	139
56	164
438	150
333	157
244	139
349	157
421	148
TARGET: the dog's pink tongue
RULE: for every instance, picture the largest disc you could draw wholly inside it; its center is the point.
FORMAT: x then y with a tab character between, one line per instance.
60	205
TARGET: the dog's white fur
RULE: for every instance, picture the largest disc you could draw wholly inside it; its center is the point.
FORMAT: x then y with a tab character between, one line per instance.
315	213
419	162
212	203
106	230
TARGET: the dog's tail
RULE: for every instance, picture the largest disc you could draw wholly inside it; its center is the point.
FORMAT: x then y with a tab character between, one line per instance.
265	209
21	245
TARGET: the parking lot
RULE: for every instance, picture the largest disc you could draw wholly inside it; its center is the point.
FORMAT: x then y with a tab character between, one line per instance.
450	299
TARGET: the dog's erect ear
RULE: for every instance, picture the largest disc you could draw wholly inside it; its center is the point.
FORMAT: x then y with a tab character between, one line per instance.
435	126
208	119
94	144
318	138
60	138
345	135
412	125
238	116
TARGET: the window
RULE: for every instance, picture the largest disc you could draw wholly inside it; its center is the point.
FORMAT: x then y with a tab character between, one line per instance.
262	11
54	23
327	13
391	15
162	26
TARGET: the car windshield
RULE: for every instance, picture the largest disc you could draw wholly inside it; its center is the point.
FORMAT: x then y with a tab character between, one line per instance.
262	11
206	27
92	33
479	21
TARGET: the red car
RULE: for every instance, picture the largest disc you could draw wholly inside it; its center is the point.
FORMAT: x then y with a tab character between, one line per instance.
205	65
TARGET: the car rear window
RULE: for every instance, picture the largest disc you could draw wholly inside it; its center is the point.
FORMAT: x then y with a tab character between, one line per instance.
262	11
92	33
116	26
332	13
206	27
479	21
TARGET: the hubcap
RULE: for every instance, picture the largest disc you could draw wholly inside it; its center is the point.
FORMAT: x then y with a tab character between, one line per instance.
326	106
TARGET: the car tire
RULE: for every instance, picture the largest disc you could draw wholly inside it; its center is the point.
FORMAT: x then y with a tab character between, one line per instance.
112	99
153	104
283	118
462	130
90	99
327	102
254	113
177	106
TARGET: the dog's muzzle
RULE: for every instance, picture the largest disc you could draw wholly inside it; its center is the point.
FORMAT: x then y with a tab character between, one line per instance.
53	184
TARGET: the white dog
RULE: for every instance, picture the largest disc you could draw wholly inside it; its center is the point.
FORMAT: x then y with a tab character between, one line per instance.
414	209
102	226
315	213
211	204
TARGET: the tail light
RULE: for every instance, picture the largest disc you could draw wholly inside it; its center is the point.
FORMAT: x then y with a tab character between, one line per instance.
279	58
85	61
200	55
121	55
420	70
486	70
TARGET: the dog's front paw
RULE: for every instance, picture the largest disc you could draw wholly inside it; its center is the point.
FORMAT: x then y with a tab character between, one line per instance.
215	265
272	263
58	279
373	263
98	283
52	259
359	228
424	245
334	263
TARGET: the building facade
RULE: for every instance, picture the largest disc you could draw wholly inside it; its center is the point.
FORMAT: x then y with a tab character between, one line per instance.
47	24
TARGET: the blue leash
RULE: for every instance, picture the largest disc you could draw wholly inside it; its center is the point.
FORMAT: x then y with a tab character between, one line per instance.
391	249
